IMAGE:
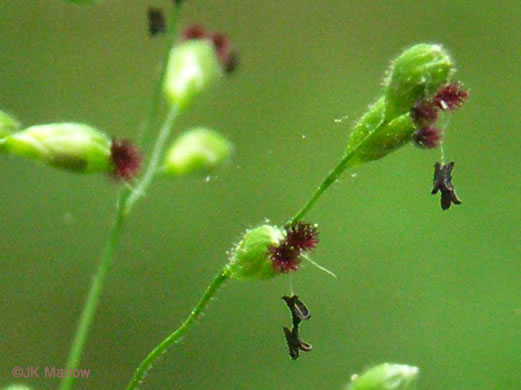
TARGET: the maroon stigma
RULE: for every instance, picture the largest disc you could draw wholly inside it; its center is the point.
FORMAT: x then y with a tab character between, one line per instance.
425	113
299	237
221	43
450	97
427	137
126	159
195	31
226	56
284	257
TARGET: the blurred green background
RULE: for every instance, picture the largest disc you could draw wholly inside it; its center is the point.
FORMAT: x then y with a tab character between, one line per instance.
440	290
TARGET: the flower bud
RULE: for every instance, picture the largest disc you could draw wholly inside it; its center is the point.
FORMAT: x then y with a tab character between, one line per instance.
191	68
71	146
17	387
8	124
197	150
363	129
417	73
373	138
386	376
250	259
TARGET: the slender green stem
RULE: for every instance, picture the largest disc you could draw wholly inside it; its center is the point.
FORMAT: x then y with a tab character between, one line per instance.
219	279
91	302
125	203
332	176
157	152
156	98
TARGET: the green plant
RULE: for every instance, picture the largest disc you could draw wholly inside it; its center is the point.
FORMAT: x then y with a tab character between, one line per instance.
419	84
418	87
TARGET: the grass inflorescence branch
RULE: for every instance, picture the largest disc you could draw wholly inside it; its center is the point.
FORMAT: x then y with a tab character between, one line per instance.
418	88
422	73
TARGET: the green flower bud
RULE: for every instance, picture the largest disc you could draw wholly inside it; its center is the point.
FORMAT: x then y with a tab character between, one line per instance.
386	376
416	76
364	128
192	66
8	124
71	146
17	387
373	138
417	73
250	258
197	150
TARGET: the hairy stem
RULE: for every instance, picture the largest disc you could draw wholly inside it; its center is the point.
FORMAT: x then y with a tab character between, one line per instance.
219	279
